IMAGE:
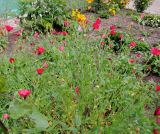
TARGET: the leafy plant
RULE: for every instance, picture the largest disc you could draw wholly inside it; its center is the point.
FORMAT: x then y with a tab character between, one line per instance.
141	5
151	20
42	15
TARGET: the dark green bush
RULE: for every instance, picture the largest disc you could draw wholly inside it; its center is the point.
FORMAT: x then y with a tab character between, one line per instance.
141	5
42	15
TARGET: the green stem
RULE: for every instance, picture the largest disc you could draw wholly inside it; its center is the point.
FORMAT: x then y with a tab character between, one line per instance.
4	129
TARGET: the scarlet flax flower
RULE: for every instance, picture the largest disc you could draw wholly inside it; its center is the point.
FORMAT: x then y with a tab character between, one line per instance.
11	60
112	27
24	93
157	87
8	28
77	90
66	23
155	131
40	70
131	61
40	50
157	111
155	51
132	44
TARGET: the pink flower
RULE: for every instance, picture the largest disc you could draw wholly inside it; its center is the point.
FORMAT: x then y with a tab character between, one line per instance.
24	93
131	61
77	90
64	42
157	111
79	29
5	116
40	70
142	15
8	28
36	35
155	51
11	60
18	33
103	36
40	50
138	55
45	65
112	27
158	121
157	87
61	48
132	44
121	36
66	23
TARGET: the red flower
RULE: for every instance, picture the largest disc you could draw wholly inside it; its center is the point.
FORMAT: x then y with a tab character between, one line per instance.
40	50
61	48
157	87
8	28
132	44
98	21
155	51
109	58
113	32
155	131
40	70
64	33
95	26
131	61
101	43
5	116
157	111
66	23
77	90
24	93
11	60
112	27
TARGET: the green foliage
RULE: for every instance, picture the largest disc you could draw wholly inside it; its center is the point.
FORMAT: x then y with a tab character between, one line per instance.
103	14
42	15
141	5
151	20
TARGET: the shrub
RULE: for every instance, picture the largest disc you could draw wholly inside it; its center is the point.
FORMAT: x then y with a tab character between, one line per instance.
151	20
141	5
121	3
42	15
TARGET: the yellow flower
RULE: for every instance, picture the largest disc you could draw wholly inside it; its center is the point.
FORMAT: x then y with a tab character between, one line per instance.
89	1
81	18
75	12
89	7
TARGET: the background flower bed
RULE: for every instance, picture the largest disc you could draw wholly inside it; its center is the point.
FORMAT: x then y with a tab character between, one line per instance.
77	83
